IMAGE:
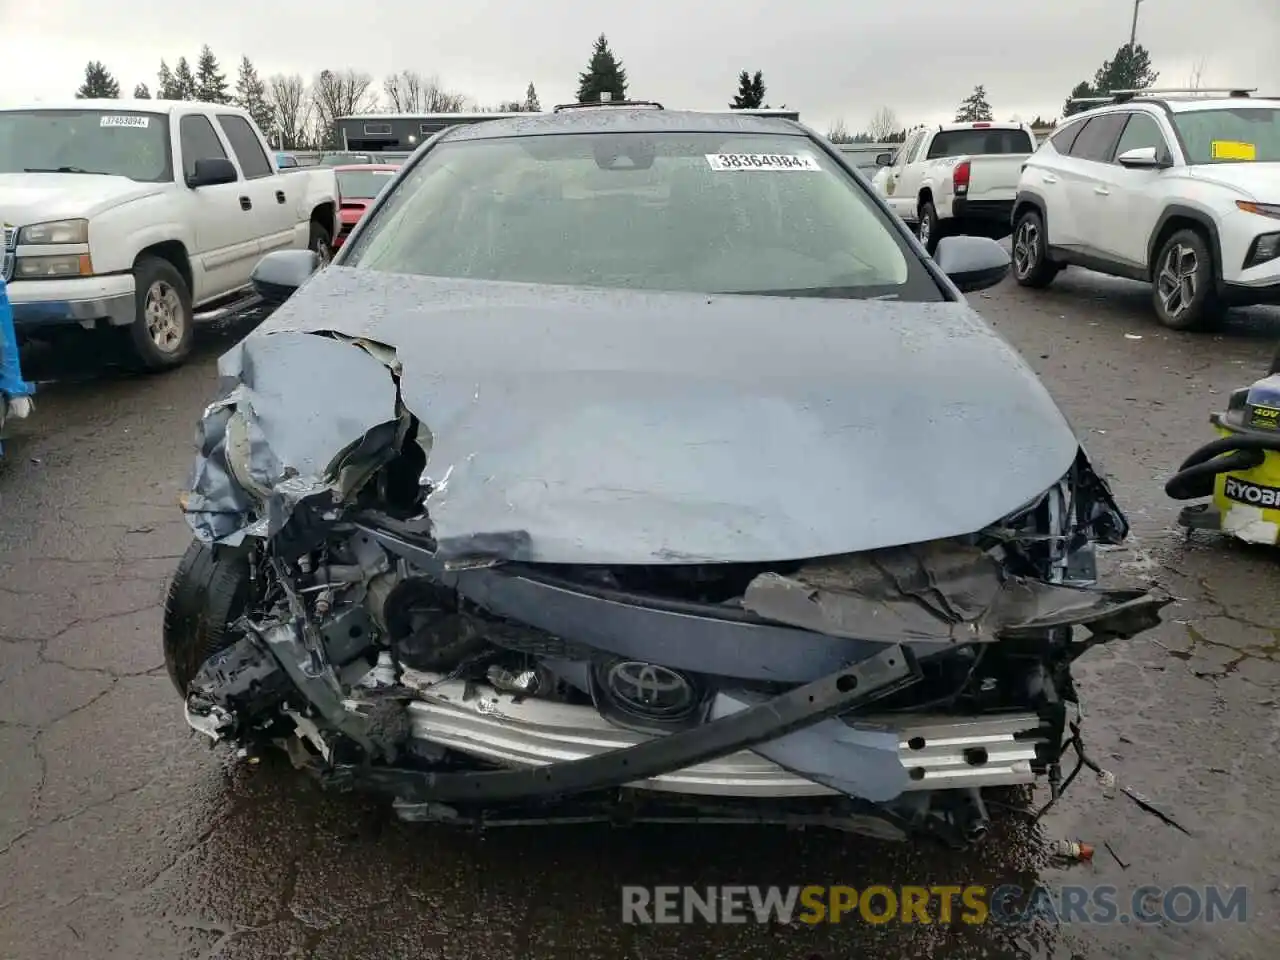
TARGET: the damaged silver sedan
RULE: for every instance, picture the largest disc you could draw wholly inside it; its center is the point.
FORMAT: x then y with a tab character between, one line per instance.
637	464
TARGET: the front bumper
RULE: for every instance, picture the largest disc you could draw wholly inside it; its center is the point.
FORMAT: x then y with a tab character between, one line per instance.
88	302
930	752
1251	295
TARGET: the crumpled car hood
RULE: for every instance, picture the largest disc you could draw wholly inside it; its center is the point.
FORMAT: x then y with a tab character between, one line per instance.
601	426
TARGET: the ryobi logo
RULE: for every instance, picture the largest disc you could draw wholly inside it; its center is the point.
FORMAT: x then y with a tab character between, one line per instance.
1253	494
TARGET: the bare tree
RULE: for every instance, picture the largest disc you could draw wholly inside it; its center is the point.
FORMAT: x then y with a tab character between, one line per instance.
1197	72
403	91
291	109
839	133
437	99
340	93
883	125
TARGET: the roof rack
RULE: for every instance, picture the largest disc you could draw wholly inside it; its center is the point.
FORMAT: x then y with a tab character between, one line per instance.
1168	91
649	104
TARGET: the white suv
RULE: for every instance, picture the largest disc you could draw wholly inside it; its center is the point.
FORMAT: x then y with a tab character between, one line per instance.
1181	192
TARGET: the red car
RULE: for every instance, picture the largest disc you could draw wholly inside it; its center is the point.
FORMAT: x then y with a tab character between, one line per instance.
358	186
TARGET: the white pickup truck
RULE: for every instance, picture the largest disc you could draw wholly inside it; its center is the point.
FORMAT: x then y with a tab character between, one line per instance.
960	178
145	217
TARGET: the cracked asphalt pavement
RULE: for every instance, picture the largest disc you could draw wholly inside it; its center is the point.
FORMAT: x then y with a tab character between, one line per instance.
121	835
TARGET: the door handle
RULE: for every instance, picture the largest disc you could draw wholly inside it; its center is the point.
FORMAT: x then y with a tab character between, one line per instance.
1102	191
1049	178
246	203
279	196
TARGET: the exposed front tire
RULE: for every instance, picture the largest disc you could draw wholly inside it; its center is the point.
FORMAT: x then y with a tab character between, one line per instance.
163	331
1183	291
1031	264
209	590
928	229
320	243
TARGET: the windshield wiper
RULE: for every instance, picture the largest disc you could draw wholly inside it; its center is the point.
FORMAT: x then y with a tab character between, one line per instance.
64	170
838	293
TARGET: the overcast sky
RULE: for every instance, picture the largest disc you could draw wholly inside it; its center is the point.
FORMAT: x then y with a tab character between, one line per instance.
829	59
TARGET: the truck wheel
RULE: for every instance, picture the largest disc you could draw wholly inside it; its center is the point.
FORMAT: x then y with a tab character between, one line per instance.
929	230
1182	290
162	333
320	243
1031	264
209	590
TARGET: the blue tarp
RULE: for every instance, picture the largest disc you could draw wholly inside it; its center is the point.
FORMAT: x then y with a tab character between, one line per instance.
11	382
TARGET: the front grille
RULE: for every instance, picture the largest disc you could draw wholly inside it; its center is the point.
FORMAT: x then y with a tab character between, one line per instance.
10	243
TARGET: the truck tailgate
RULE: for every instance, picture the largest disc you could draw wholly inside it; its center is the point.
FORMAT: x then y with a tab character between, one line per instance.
994	176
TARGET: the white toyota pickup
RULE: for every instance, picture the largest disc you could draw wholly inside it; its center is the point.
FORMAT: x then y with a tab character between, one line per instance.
146	217
959	178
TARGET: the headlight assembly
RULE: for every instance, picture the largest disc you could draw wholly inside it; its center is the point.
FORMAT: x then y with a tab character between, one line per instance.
55	231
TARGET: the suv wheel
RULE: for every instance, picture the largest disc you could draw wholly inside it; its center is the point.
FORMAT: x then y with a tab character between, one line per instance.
1031	264
1183	290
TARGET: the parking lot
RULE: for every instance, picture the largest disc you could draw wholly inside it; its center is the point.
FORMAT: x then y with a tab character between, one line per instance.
123	836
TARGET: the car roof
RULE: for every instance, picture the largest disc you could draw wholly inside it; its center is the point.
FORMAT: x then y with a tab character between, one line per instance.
623	120
1184	104
130	106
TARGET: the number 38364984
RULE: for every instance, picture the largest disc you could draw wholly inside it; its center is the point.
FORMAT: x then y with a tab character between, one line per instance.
723	162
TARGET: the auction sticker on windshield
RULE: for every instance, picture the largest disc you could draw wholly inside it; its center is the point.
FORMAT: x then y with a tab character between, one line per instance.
119	121
1232	150
725	162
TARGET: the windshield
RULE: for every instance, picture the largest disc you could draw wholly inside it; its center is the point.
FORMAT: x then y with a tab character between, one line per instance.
704	212
338	159
957	143
133	145
1234	135
364	184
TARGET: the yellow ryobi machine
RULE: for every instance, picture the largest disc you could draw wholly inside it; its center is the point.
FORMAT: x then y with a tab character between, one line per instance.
1240	470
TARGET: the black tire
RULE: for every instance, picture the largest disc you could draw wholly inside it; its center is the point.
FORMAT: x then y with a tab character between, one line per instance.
1031	264
320	243
209	590
161	339
1183	288
928	227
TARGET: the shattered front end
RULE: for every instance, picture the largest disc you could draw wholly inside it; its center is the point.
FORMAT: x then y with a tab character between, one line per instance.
882	691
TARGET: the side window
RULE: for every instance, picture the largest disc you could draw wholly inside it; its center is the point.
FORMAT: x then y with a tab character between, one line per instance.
1064	138
1142	130
1097	141
199	142
917	151
907	152
253	160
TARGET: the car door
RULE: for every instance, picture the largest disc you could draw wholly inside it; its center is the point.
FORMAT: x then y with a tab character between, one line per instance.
1132	198
911	175
1043	178
272	210
1087	176
891	185
226	243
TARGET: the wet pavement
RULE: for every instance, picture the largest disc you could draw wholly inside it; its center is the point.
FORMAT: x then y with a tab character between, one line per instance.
123	836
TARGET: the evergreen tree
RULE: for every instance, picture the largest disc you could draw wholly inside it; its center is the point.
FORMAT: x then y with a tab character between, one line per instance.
184	81
604	74
974	108
167	84
140	92
211	84
251	95
98	84
751	90
531	104
1129	69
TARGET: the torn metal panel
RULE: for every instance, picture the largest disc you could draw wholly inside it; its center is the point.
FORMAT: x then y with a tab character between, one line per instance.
615	426
302	415
939	592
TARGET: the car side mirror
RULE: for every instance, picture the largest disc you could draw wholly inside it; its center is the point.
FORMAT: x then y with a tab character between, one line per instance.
972	263
282	272
884	159
1141	158
212	171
